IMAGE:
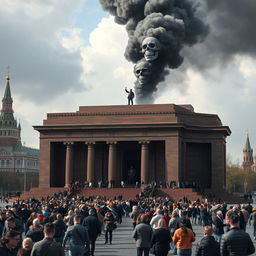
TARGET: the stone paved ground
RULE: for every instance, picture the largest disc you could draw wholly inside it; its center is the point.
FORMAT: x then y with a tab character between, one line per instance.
124	245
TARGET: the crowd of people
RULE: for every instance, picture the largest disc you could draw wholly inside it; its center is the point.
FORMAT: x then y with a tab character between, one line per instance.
62	226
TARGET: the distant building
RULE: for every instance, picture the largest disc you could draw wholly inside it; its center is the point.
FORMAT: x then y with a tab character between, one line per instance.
249	163
19	165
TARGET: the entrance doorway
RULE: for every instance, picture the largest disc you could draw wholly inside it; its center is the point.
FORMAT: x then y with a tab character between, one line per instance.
131	163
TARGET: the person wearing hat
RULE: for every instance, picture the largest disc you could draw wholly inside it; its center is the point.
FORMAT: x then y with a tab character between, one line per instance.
253	219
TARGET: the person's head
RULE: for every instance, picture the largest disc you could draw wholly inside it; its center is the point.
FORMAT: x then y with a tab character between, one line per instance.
91	212
166	213
159	211
219	214
27	243
36	222
76	219
59	217
77	211
175	214
33	215
108	213
135	208
12	238
49	230
23	252
208	231
9	213
143	218
70	212
11	222
130	90
234	220
161	223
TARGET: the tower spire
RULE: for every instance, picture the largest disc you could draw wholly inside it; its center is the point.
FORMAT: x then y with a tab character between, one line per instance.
247	155
6	116
247	147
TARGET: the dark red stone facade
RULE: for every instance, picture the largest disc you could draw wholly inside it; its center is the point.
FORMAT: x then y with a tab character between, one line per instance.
164	143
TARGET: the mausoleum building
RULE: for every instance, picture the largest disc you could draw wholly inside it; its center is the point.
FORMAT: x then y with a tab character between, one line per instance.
160	143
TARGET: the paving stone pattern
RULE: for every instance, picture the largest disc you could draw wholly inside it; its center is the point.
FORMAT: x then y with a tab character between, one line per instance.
124	245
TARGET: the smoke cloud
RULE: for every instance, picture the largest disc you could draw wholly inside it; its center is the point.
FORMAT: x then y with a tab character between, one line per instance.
169	24
232	33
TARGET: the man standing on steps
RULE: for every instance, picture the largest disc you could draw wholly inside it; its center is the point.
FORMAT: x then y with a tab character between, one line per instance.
94	229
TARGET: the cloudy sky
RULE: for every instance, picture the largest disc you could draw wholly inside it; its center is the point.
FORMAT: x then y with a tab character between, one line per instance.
64	54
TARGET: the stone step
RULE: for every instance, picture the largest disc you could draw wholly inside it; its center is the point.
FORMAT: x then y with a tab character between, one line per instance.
179	193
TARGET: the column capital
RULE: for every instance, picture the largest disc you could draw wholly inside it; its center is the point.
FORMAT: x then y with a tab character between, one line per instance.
111	142
144	142
68	143
90	143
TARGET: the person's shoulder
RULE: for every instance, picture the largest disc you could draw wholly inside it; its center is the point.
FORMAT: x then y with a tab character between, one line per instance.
39	243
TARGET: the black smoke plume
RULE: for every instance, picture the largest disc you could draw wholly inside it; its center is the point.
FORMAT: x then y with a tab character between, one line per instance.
173	22
232	33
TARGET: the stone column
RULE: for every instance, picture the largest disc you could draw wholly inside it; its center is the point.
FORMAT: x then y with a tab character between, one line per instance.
144	167
90	162
68	170
112	164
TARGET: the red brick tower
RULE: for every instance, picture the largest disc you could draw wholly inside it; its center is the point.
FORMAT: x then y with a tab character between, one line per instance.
247	155
9	130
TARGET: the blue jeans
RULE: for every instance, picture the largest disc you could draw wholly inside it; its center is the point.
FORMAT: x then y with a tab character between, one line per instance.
187	252
140	251
76	250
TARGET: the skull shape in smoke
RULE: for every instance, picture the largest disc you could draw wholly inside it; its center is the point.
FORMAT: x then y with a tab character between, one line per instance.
151	48
143	71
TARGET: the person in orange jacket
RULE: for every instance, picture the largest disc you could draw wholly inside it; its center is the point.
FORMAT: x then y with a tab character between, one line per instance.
184	237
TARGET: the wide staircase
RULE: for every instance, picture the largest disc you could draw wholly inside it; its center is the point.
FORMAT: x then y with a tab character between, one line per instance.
131	193
223	195
125	193
179	193
37	193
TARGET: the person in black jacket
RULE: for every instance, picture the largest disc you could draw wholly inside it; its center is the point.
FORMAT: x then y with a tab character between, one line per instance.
161	239
60	228
208	245
9	245
236	241
94	229
35	231
218	226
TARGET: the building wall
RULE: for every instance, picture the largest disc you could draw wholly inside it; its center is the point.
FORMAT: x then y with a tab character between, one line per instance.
168	134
